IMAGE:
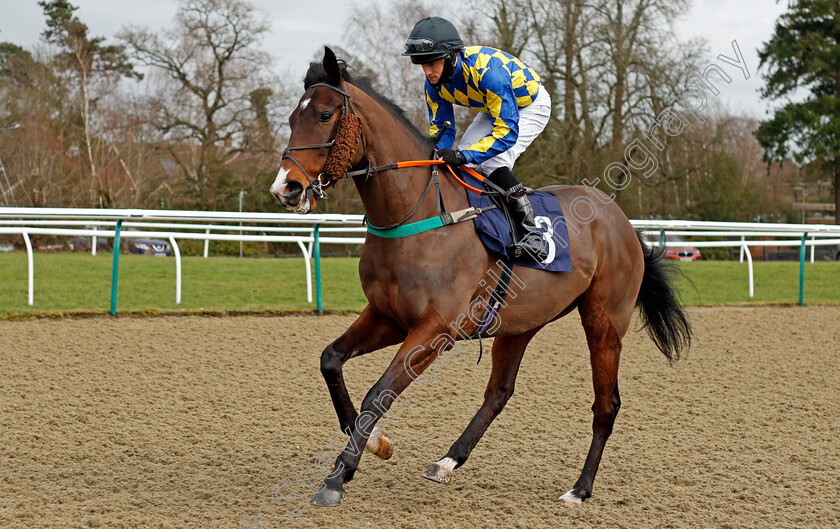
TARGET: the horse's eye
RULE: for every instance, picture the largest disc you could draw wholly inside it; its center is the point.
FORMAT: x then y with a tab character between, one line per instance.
325	116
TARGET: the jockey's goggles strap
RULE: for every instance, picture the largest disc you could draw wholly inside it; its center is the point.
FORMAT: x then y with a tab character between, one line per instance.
419	45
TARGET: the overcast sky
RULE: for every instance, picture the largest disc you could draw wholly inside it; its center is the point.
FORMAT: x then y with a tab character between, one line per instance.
300	28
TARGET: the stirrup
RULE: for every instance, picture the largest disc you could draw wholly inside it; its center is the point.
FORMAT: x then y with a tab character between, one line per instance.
514	251
519	249
516	192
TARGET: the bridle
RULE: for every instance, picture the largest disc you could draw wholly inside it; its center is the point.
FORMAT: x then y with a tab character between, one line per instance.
319	184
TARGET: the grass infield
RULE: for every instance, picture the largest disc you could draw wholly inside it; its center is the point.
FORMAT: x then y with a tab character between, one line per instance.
80	284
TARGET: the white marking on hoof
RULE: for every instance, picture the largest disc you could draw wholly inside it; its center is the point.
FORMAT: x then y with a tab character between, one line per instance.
441	471
373	441
570	498
447	463
379	444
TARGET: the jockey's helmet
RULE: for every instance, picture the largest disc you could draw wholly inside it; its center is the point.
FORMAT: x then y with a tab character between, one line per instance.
431	39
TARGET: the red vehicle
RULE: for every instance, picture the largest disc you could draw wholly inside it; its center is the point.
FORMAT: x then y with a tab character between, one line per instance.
680	250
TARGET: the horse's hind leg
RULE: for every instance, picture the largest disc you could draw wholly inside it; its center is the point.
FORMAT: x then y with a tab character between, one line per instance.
604	350
507	354
370	332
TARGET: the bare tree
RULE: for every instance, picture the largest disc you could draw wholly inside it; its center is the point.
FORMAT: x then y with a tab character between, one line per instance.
376	36
208	69
40	146
90	62
507	25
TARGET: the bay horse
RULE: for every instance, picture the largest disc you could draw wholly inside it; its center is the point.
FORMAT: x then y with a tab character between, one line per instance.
420	287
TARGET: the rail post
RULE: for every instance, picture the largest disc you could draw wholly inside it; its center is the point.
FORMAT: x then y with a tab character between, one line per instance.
30	267
316	252
661	243
746	250
177	251
802	269
308	266
115	267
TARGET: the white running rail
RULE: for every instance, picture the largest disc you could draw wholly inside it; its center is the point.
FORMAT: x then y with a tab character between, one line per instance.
341	229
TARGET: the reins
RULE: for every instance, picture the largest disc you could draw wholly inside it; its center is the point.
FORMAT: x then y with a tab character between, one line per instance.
420	163
317	185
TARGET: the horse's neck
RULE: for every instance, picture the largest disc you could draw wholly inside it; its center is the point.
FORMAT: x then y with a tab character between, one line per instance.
388	197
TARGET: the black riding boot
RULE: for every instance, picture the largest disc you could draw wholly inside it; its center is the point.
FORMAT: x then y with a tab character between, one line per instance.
530	239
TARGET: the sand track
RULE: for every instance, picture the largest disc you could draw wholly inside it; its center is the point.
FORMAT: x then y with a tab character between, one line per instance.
191	422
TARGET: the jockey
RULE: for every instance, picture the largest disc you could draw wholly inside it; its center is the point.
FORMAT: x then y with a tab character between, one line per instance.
514	110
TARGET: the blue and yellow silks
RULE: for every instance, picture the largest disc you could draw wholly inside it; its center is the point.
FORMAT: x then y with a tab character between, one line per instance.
491	81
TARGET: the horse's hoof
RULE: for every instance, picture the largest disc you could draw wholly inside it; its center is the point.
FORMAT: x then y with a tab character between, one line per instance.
327	497
438	474
571	498
380	445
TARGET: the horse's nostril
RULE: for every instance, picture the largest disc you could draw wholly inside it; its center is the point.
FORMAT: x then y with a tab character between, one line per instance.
293	191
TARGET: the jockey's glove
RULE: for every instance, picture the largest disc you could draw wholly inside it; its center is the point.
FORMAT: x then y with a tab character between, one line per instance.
454	158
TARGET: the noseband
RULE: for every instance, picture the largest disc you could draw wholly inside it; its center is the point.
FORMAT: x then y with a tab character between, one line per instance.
333	169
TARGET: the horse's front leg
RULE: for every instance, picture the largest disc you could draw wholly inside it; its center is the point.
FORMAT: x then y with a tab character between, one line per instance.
413	357
370	332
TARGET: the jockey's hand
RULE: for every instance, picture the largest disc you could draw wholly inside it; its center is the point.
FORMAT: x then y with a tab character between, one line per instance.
454	158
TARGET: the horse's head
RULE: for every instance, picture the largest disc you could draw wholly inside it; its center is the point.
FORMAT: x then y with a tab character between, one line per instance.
325	140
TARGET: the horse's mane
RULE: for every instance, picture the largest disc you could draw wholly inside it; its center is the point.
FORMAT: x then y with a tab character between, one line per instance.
317	74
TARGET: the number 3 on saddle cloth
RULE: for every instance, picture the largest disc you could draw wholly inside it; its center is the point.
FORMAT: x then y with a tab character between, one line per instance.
494	231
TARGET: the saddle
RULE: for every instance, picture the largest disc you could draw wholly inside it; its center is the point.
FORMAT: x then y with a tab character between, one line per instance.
497	230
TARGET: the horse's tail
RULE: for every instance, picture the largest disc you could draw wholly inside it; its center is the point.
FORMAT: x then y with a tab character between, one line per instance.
664	316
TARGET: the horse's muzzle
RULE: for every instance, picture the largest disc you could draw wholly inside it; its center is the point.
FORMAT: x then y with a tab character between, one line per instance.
294	197
287	192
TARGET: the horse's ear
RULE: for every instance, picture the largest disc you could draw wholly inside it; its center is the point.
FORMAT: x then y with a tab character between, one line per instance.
331	67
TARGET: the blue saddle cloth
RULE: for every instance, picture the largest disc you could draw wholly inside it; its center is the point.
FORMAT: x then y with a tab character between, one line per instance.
494	233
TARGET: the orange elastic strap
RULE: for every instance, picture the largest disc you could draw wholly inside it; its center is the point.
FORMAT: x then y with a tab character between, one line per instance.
421	163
